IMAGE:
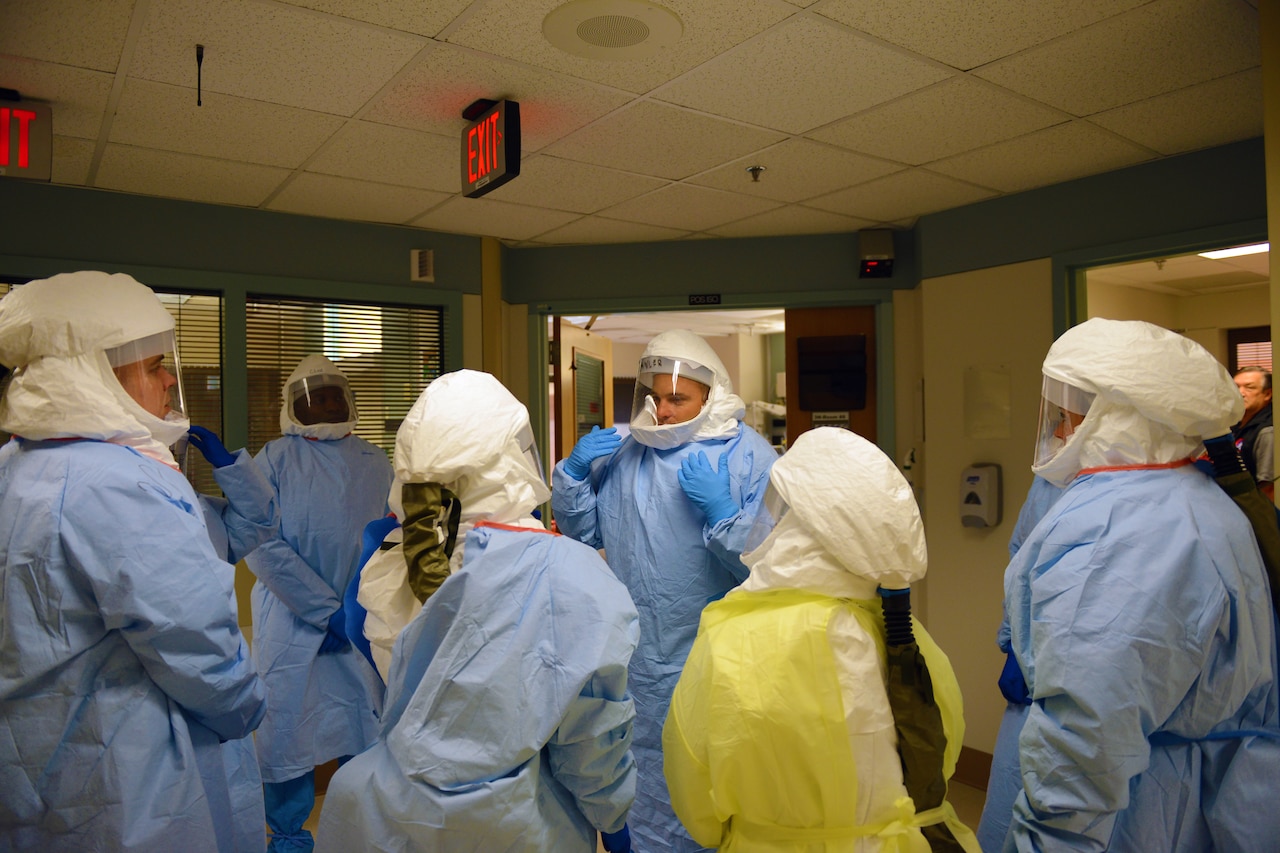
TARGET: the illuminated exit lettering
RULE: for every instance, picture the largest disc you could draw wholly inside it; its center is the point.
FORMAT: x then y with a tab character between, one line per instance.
491	149
483	148
26	140
22	119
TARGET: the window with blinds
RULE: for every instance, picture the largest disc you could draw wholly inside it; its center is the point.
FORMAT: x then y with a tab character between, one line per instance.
198	329
1249	347
389	353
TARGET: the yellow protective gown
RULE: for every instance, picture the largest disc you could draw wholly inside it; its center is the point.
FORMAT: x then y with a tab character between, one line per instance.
779	736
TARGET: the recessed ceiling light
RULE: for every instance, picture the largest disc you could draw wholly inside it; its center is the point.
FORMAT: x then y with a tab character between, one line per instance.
1237	251
612	29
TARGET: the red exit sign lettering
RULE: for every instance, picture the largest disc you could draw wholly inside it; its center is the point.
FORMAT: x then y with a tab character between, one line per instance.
26	140
491	149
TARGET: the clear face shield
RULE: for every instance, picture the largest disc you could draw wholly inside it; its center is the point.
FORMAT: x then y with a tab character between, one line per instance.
149	371
1062	409
772	509
669	390
529	452
322	399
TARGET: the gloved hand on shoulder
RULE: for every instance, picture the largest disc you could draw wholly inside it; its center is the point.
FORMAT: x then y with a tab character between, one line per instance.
593	445
617	842
210	447
335	638
708	489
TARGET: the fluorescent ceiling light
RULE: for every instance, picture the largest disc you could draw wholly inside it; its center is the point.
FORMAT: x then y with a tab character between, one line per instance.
1236	251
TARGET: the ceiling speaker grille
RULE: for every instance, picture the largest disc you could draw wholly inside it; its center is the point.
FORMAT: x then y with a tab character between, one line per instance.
613	31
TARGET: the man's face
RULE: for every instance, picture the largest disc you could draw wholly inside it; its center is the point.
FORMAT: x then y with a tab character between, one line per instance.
678	404
1255	396
148	382
324	405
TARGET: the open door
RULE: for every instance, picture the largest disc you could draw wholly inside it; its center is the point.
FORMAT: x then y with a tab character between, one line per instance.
581	384
831	369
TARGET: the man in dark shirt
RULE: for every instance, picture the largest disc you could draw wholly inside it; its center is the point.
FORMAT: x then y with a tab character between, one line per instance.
1254	434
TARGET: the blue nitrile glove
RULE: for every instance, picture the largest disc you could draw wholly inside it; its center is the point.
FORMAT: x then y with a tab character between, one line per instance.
1012	684
335	639
708	489
617	842
593	445
210	447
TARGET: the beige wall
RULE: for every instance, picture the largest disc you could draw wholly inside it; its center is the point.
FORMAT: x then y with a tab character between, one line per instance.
1204	319
998	319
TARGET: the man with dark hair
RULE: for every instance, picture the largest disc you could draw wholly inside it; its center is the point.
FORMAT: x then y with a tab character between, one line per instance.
1254	435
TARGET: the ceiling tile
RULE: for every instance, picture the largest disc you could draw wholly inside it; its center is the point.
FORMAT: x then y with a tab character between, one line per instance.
163	173
69	32
596	229
1202	116
513	28
567	185
666	142
412	16
967	33
792	219
688	208
78	96
804	74
432	94
796	170
1049	156
1161	47
901	195
161	116
347	198
972	112
482	216
268	52
71	160
392	155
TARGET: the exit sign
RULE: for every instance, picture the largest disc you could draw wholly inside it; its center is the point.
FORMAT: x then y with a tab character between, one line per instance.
491	149
26	140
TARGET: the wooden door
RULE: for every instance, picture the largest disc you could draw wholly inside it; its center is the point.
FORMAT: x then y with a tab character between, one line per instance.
831	369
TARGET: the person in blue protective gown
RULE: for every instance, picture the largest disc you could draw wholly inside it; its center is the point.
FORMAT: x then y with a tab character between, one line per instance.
325	697
1140	614
782	735
1005	780
508	723
671	505
237	523
121	663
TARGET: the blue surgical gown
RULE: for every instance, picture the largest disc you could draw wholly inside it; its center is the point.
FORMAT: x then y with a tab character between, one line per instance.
237	524
121	665
1005	778
322	706
508	722
658	544
1141	616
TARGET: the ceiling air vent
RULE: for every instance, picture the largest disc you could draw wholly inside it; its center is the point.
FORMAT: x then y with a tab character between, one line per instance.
612	29
422	265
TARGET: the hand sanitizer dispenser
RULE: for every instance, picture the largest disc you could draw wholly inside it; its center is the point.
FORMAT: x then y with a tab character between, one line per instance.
980	496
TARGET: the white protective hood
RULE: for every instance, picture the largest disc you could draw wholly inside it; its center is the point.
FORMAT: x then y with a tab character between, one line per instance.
1157	396
720	416
468	433
315	366
852	522
55	333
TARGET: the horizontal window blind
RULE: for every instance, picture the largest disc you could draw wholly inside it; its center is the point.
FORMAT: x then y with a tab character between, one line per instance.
389	353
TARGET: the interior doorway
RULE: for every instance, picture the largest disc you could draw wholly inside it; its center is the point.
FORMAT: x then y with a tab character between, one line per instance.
749	342
1219	298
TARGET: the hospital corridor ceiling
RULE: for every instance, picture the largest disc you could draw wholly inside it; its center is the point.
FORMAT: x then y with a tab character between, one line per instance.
644	124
